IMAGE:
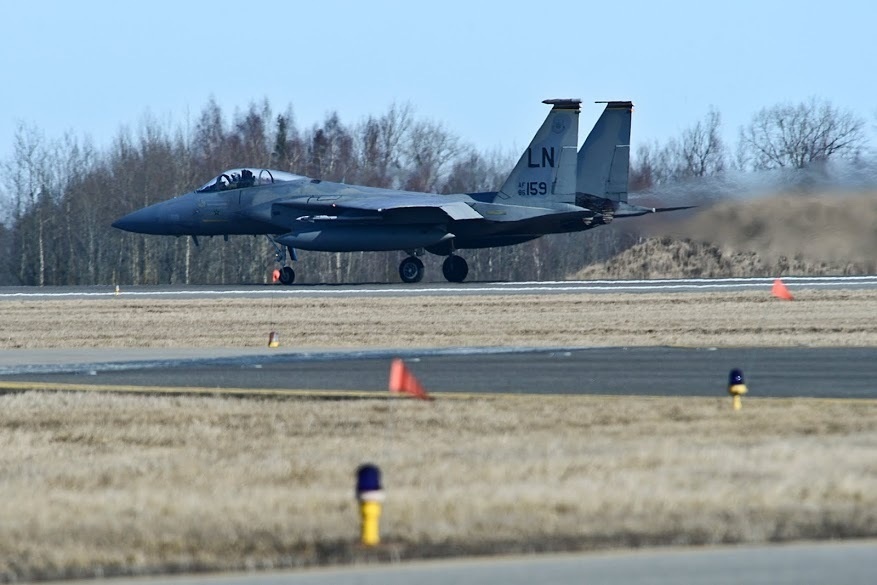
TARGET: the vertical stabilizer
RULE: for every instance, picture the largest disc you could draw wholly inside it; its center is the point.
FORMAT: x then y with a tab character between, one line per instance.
547	169
604	160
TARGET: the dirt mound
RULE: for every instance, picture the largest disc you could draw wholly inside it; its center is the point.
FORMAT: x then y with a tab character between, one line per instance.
777	236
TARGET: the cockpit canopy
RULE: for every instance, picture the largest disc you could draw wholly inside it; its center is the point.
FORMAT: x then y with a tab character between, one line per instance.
241	178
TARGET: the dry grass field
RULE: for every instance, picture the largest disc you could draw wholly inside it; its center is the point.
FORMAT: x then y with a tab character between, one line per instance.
753	318
110	484
118	484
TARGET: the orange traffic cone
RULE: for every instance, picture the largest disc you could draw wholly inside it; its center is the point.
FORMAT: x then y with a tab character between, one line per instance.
275	276
780	291
404	382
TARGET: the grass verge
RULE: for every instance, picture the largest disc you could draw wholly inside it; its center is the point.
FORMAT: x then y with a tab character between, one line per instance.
102	484
752	319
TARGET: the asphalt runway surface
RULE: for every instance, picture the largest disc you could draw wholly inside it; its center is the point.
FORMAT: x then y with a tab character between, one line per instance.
438	288
658	371
847	563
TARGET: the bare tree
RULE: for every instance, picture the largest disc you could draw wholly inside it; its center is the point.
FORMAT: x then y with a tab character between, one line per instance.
29	178
794	136
379	145
642	169
210	138
250	136
701	150
655	164
429	149
289	150
473	172
330	154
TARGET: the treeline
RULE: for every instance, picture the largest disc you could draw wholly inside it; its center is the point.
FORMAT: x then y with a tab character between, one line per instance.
783	136
60	196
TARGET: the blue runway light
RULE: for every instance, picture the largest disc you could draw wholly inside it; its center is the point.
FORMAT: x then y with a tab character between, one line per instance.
368	478
370	496
736	377
736	388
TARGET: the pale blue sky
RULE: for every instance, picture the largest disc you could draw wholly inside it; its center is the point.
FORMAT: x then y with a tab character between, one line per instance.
481	68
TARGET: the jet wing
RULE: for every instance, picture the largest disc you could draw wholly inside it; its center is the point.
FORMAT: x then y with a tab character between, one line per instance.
393	209
339	223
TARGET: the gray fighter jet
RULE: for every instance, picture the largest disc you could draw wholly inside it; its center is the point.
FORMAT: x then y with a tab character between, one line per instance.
552	189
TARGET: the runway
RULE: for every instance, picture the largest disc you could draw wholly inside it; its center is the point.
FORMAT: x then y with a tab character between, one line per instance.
656	371
437	288
847	563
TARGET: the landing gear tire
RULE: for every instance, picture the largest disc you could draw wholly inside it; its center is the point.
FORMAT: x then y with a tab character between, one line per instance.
455	268
411	269
287	275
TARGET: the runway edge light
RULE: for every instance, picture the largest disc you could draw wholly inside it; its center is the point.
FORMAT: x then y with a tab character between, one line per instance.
370	495
736	388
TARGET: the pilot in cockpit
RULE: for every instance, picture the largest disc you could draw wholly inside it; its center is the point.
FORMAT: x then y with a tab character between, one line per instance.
247	178
217	185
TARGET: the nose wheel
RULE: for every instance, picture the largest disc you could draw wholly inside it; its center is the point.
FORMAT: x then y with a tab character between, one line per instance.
455	268
411	269
287	275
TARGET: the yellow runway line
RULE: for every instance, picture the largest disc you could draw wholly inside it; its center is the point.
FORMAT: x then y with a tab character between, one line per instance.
300	393
12	386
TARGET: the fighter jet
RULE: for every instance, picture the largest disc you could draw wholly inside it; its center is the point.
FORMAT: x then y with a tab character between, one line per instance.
544	194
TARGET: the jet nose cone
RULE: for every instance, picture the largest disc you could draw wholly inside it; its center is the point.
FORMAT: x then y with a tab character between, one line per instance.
127	223
142	221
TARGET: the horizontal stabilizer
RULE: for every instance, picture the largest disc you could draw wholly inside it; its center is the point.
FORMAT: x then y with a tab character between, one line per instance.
628	210
680	208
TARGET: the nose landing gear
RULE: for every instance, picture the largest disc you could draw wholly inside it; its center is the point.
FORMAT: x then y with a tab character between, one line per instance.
287	274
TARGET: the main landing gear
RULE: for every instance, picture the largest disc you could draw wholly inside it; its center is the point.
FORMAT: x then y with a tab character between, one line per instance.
411	269
454	268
